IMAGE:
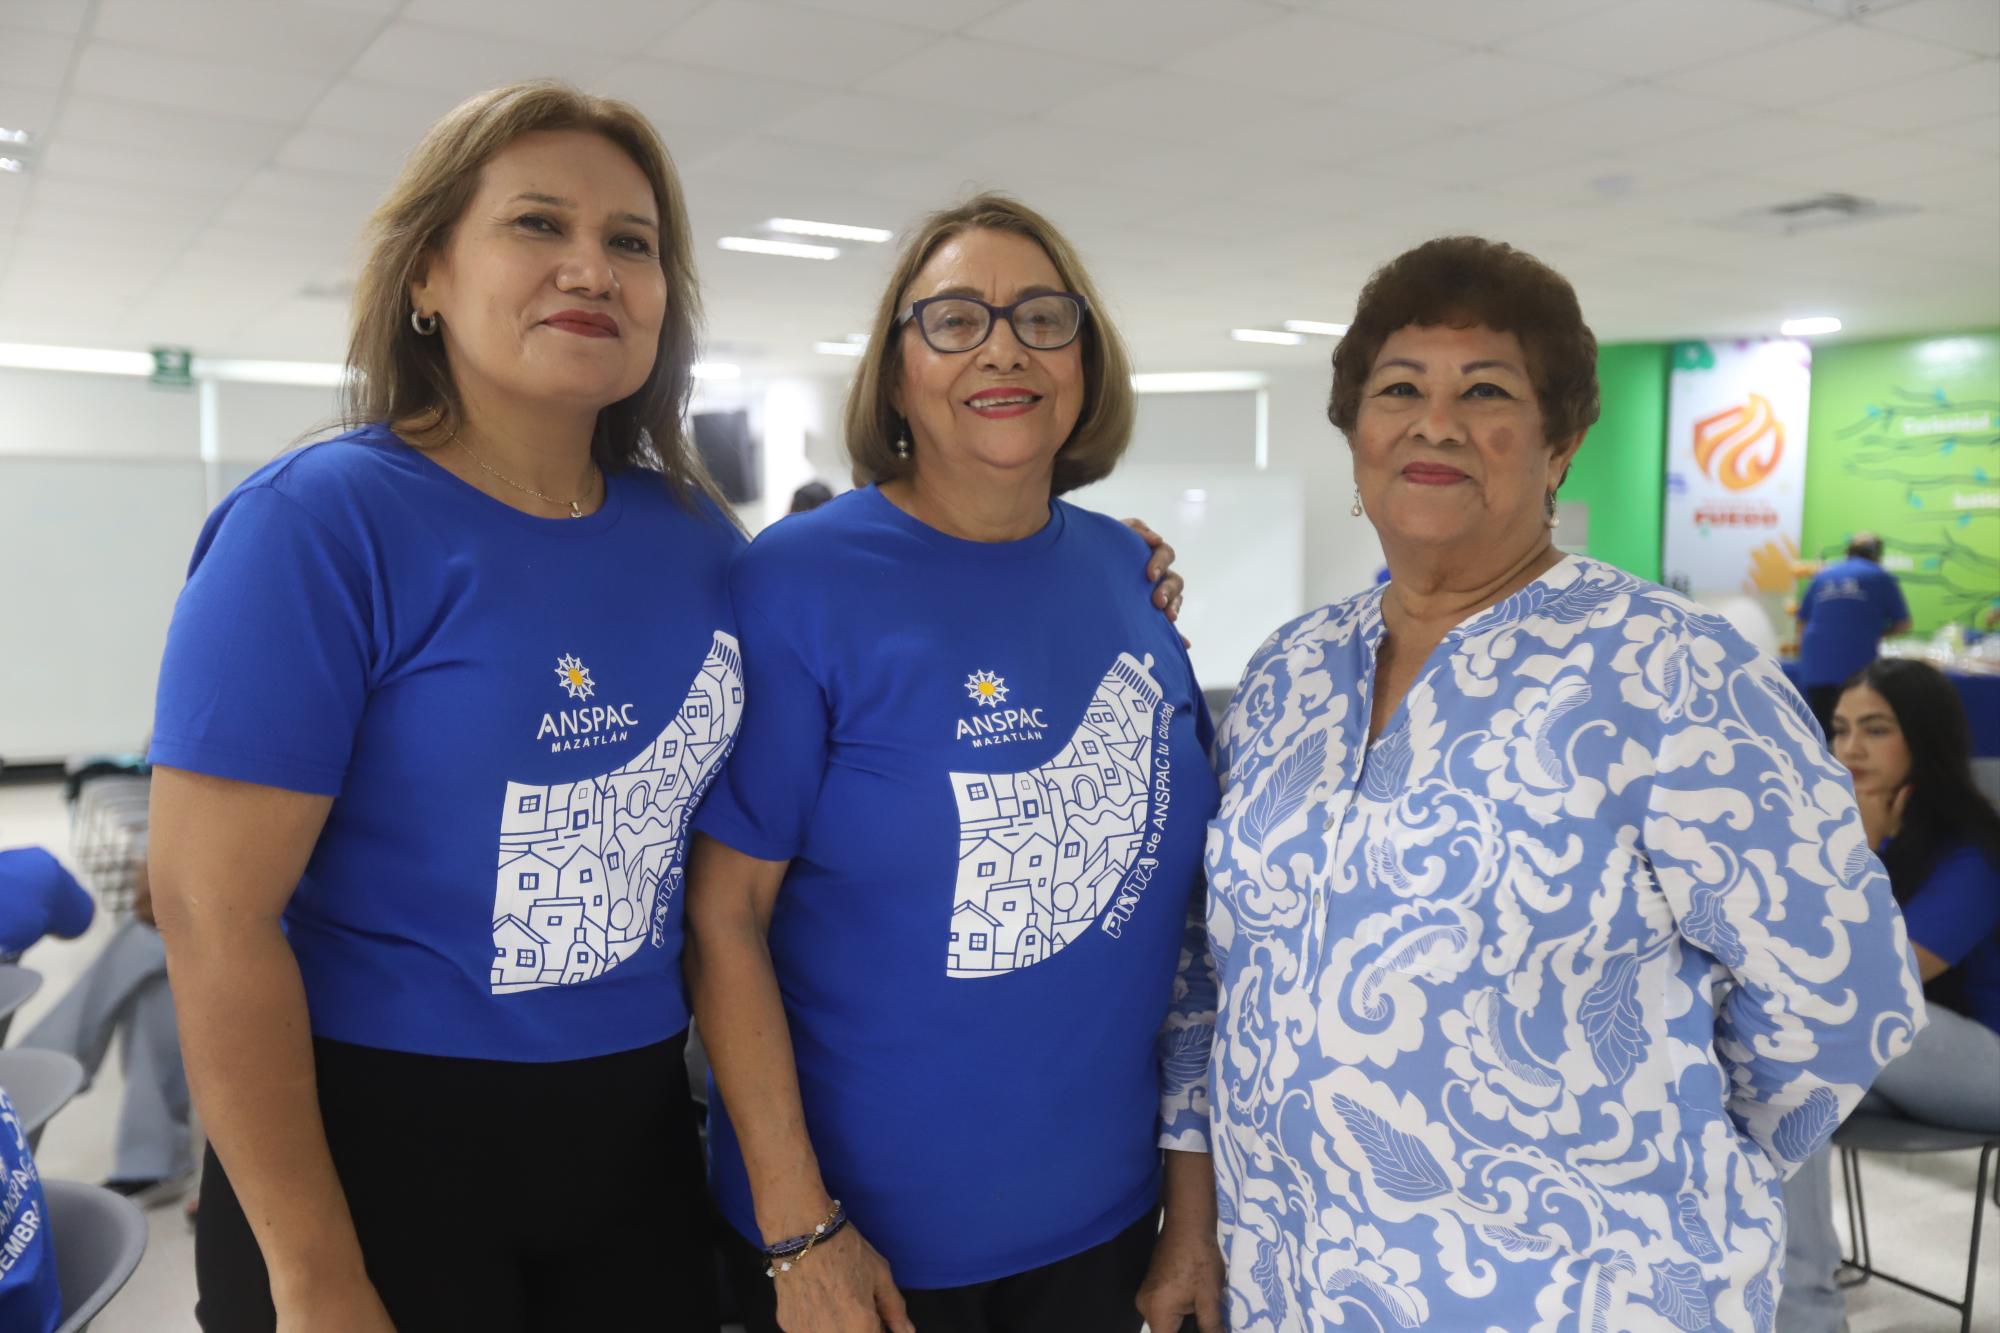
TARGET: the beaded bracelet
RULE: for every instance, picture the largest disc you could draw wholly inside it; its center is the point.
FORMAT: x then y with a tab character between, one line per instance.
788	1252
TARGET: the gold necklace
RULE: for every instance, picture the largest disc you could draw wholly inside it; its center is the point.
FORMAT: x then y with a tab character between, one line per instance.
575	506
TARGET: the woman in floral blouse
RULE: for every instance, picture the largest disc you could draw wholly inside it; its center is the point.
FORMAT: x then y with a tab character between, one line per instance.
1549	940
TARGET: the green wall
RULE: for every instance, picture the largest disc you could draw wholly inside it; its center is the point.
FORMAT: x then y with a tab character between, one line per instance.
1905	440
1621	470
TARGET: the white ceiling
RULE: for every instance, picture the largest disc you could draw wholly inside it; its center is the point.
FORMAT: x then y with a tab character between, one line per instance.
203	166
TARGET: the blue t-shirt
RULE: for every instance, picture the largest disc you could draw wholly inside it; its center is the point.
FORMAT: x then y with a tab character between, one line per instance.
514	715
29	1300
1955	914
39	897
986	764
1847	608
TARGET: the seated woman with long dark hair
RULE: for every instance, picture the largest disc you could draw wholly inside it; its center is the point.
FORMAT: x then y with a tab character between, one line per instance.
1900	730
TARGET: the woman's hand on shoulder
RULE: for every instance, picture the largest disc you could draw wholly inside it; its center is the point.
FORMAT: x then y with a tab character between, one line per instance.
1168	586
843	1286
1882	812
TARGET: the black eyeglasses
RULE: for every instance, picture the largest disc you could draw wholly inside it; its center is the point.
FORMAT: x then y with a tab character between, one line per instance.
1045	322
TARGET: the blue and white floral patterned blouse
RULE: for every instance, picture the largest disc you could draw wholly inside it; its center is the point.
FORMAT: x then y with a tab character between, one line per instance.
1527	1007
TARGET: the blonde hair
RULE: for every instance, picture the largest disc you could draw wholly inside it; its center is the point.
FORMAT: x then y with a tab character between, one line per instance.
399	376
1103	428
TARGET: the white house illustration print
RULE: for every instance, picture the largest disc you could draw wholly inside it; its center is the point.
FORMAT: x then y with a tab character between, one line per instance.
1042	853
589	869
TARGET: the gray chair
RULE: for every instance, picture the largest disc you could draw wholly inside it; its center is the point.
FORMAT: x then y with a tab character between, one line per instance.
39	1083
17	984
1873	1132
99	1238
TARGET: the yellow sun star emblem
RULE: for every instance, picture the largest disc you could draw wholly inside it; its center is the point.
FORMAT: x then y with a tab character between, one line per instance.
986	688
574	677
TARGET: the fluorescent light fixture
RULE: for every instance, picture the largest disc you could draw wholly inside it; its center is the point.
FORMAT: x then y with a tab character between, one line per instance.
1194	496
1267	336
90	360
312	374
1317	326
15	136
717	370
838	231
789	249
1806	328
12	164
1199	381
840	349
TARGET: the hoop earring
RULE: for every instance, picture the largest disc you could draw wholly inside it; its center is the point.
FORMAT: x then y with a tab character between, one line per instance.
425	325
1356	510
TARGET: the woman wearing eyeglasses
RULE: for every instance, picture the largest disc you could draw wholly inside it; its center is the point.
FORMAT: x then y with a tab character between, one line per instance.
945	947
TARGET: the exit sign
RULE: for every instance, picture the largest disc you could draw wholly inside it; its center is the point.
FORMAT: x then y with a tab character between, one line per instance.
173	365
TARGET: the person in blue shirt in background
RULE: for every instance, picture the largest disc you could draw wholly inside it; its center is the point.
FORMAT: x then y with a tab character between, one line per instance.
944	933
38	897
1899	728
30	1301
1848	607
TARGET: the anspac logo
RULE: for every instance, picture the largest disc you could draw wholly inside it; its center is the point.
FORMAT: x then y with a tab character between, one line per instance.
583	728
997	725
1740	446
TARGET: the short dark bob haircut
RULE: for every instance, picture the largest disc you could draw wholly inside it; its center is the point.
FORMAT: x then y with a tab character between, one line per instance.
1467	282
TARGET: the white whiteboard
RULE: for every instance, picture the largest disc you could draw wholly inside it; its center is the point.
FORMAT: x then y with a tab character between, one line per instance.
94	552
1239	537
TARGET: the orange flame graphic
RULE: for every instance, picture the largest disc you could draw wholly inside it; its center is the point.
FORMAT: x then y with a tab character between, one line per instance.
1740	446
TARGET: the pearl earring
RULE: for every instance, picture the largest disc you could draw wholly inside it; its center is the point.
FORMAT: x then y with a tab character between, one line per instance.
1356	510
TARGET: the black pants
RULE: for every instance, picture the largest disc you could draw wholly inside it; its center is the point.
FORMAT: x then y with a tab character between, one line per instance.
1090	1292
497	1196
1823	699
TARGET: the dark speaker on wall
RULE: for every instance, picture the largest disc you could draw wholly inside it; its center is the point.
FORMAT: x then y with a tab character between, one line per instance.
730	453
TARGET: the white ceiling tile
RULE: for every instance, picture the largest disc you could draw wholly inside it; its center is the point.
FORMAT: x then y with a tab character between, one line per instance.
112	199
33	59
1764	139
1845	57
1307	55
31	109
64	18
762	158
1951	189
1632	115
1175	107
673	95
402	113
1333	132
1477	22
1034	79
1479	88
780	41
1042	148
1650	37
415	55
1981	135
896	125
1474	158
1923	101
118	123
187	84
1968	25
163	235
164	168
617	27
374	157
1125	32
1600	180
938	15
1876	168
252	33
